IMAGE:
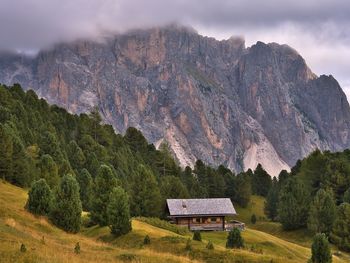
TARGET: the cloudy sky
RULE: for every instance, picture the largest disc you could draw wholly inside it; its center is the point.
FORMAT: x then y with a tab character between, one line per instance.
318	29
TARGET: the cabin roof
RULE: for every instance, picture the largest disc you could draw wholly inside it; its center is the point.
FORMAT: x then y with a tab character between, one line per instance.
200	207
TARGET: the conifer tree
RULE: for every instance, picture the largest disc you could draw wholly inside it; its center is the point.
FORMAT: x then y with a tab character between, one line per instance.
39	198
271	203
105	182
75	155
6	151
49	170
293	204
234	239
66	212
118	212
261	182
146	195
346	197
320	249
322	213
341	229
86	185
241	189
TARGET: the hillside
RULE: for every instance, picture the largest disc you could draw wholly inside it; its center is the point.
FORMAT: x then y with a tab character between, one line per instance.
218	101
46	243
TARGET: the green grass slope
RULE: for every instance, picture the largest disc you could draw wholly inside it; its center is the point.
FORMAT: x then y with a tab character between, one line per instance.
46	243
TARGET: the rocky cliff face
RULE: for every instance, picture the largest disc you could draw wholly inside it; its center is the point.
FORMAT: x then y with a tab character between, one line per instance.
213	100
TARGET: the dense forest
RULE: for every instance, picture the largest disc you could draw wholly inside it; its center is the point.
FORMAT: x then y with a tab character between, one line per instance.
46	147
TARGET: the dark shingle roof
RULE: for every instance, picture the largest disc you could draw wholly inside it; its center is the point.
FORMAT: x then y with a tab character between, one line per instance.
209	206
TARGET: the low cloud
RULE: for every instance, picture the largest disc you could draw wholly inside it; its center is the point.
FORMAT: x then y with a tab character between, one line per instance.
318	29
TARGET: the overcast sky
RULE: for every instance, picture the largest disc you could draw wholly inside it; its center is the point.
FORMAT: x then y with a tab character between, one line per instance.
318	29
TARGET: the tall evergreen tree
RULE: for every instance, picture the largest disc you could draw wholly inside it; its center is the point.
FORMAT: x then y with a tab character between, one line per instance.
293	204
322	212
261	182
6	151
66	212
241	190
39	198
105	182
146	198
118	212
271	203
320	249
346	197
75	155
341	229
86	185
49	170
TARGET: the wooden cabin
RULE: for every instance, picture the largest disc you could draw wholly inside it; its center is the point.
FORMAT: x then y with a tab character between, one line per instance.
203	214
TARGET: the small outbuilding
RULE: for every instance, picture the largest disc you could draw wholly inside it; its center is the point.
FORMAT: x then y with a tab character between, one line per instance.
203	214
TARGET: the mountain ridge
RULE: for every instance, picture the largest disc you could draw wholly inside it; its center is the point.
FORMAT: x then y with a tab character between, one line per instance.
212	100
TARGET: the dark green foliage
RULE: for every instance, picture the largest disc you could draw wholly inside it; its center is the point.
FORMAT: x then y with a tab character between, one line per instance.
271	203
49	170
210	245
75	155
118	212
67	209
293	204
341	229
77	248
240	190
234	239
253	219
105	182
147	198
39	198
86	186
147	240
23	248
261	181
346	197
197	236
320	249
322	213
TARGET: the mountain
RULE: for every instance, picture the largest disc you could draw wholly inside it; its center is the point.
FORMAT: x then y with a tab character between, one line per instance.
218	101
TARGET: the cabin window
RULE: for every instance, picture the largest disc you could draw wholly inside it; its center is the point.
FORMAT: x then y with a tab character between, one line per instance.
196	220
213	219
218	220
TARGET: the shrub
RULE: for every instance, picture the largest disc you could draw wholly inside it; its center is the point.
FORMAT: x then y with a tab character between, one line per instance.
253	219
321	252
146	240
39	198
77	248
23	248
197	236
234	239
210	245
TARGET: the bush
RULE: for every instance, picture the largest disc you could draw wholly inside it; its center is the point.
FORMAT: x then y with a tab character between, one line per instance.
147	240
234	239
39	198
197	236
253	219
321	252
77	248
23	248
210	245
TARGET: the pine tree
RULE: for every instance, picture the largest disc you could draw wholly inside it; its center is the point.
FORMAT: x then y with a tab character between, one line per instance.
66	212
234	239
197	236
346	197
6	151
341	229
39	198
146	195
271	203
49	170
293	204
118	212
75	155
322	213
320	249
86	188
261	182
105	182
241	189
253	219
